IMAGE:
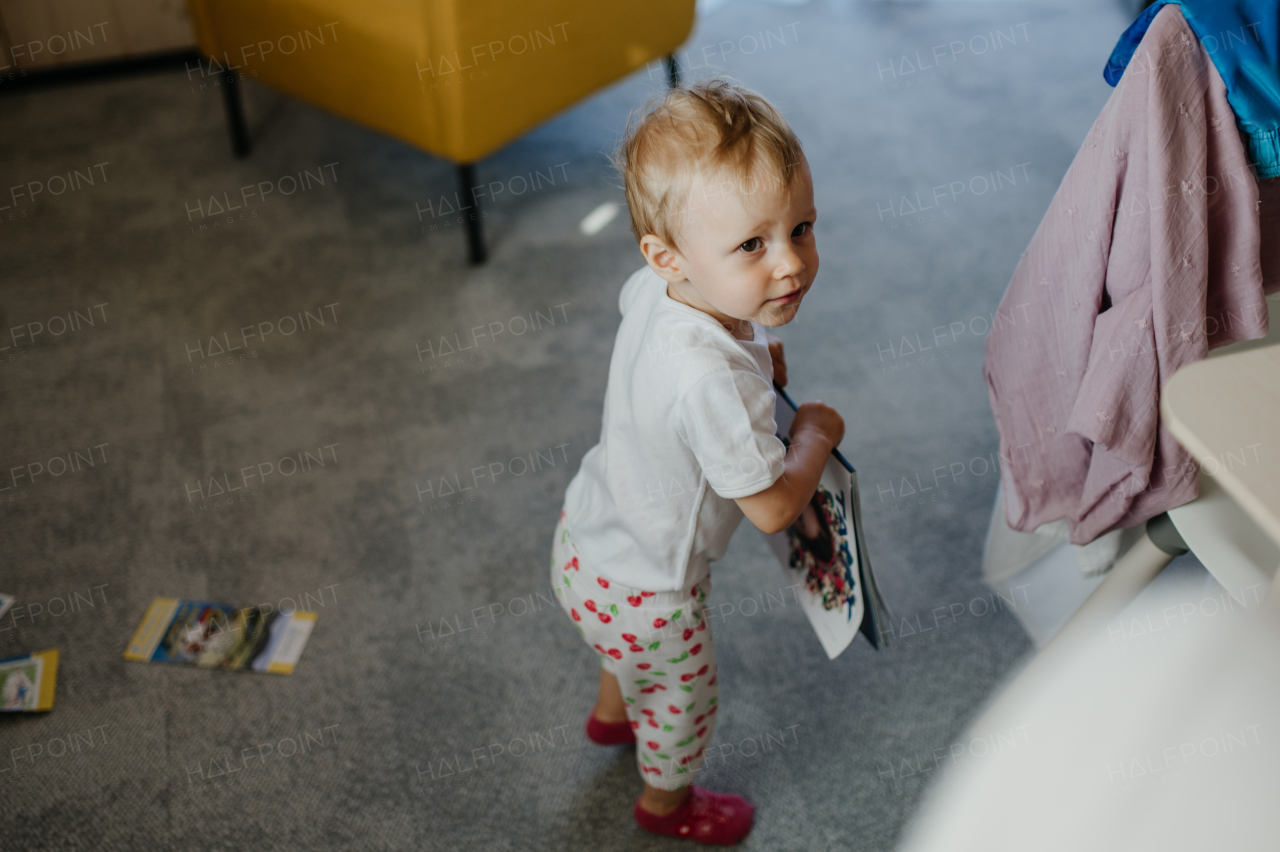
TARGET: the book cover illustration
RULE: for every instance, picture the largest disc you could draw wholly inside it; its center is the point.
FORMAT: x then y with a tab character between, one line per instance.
27	682
219	636
825	549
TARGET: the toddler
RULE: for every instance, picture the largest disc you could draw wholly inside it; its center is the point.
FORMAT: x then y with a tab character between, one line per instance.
721	202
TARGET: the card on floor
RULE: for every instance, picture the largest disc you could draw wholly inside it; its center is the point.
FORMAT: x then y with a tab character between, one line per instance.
27	682
215	635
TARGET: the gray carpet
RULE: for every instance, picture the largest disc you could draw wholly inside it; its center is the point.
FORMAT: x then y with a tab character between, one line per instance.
835	754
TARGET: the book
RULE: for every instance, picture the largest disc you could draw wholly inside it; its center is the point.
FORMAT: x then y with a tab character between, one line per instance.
27	682
826	552
219	636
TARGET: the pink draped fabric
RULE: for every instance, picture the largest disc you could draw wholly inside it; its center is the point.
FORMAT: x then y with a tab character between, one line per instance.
1147	258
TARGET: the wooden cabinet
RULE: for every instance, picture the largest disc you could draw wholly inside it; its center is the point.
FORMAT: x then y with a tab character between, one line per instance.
48	33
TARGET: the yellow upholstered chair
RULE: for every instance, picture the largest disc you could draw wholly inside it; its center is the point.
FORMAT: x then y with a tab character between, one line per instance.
456	78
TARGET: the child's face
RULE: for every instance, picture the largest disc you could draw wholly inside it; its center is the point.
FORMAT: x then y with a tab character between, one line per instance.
747	249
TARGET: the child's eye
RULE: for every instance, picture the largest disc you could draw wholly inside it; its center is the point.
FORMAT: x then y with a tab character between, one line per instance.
752	244
802	229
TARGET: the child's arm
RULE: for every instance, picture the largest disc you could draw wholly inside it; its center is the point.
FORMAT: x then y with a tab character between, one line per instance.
816	430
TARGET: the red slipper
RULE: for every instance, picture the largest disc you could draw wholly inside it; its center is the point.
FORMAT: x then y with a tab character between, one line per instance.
718	818
609	733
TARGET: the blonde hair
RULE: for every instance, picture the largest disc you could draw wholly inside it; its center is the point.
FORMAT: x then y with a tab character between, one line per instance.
711	125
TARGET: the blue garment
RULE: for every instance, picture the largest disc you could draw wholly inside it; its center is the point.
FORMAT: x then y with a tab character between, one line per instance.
1242	38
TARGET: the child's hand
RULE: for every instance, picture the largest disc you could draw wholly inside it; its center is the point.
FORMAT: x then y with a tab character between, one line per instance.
819	418
779	362
815	432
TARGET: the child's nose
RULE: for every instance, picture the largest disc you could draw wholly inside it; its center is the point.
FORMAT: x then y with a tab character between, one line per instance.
789	263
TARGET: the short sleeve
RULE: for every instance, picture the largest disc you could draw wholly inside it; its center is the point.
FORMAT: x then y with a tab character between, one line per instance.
631	289
727	421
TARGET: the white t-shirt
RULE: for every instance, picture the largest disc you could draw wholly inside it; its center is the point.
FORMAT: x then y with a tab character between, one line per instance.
688	427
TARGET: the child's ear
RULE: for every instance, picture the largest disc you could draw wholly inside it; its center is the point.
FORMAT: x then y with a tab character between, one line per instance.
662	259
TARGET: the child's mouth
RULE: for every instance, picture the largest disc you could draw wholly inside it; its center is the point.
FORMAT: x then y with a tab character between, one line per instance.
793	296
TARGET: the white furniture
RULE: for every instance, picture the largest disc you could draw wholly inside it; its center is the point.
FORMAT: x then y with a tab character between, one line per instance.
1159	735
1148	722
1226	411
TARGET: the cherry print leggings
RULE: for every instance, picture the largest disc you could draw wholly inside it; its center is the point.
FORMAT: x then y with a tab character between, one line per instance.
658	645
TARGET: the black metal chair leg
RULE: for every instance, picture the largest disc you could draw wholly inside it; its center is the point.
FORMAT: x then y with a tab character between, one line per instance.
673	71
475	235
235	115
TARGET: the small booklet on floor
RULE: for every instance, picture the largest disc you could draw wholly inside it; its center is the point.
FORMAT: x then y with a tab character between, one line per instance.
219	636
27	682
826	551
